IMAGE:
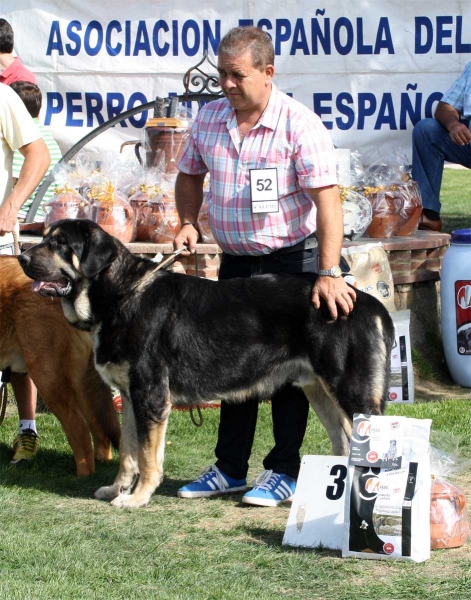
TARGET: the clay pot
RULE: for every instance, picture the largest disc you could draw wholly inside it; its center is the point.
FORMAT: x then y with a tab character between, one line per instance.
204	229
65	205
164	147
411	209
116	217
449	526
386	205
163	222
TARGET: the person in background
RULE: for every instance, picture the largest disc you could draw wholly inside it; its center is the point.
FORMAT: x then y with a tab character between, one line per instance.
444	138
32	99
257	127
11	67
18	131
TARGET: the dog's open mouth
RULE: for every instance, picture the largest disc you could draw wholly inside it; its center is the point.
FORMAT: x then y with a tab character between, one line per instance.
61	287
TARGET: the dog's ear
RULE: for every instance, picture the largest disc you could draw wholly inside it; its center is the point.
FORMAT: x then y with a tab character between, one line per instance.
95	248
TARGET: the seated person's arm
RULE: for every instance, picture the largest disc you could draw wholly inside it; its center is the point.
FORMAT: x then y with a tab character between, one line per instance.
449	117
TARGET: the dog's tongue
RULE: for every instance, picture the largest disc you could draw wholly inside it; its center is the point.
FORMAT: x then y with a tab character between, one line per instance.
37	285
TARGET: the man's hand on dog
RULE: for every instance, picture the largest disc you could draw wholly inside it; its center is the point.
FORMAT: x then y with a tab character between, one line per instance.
336	293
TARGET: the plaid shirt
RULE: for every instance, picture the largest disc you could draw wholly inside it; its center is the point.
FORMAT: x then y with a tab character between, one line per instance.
459	94
288	136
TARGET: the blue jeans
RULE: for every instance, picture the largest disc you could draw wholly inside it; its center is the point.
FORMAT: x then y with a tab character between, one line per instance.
289	405
431	147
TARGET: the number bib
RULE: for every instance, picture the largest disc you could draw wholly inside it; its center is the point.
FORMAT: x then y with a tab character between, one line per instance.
264	190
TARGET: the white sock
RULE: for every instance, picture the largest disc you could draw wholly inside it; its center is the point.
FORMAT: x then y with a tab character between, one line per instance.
27	424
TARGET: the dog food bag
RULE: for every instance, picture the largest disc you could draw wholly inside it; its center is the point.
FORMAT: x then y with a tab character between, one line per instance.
112	212
401	387
369	265
387	504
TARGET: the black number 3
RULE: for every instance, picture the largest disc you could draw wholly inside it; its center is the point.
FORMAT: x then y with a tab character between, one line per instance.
334	492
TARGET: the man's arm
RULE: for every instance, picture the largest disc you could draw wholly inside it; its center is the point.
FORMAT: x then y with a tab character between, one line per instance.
449	117
37	160
330	235
188	198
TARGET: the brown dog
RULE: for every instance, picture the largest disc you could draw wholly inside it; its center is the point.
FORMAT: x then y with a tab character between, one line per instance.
35	337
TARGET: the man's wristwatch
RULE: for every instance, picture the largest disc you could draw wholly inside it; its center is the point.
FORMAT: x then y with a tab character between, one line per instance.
333	272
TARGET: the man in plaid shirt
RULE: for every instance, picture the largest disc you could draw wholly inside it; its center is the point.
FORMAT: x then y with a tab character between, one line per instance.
273	188
444	138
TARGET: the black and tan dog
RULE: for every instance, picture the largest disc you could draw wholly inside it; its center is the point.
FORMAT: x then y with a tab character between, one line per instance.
165	338
36	338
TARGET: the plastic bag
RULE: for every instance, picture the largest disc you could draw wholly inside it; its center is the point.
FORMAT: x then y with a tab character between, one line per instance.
206	235
148	189
411	208
111	210
449	525
67	202
163	222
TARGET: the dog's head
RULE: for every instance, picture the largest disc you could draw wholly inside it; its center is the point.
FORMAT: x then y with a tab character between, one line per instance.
72	250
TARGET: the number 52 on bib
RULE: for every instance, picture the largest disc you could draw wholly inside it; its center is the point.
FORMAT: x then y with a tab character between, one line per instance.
264	190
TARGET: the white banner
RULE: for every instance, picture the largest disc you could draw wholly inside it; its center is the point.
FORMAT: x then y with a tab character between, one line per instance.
370	69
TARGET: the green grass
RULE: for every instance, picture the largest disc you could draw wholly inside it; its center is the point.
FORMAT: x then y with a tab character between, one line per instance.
57	542
455	197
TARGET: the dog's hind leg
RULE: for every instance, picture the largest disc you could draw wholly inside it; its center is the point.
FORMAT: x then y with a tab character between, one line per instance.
331	415
128	464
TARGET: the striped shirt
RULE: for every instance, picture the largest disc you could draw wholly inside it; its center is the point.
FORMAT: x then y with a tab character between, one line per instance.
288	136
459	94
18	161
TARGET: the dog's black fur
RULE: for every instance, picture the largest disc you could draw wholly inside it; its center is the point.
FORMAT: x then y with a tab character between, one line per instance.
164	338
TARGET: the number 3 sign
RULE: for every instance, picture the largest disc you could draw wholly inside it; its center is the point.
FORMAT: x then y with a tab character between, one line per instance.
316	515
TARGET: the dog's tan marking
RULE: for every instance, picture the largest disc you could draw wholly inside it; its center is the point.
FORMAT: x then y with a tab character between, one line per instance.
82	306
76	262
116	375
379	358
331	415
128	457
46	231
150	460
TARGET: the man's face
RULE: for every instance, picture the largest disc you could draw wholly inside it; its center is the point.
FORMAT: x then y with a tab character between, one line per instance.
246	88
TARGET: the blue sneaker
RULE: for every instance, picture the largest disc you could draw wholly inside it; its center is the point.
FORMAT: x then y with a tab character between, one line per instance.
212	482
271	489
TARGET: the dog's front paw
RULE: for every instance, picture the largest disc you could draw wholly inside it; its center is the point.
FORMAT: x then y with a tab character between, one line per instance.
130	501
107	493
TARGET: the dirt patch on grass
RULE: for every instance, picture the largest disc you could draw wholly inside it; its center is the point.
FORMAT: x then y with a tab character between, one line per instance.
426	390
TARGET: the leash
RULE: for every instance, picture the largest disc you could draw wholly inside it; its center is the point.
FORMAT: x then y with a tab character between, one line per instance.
171	259
16	243
6	375
163	263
